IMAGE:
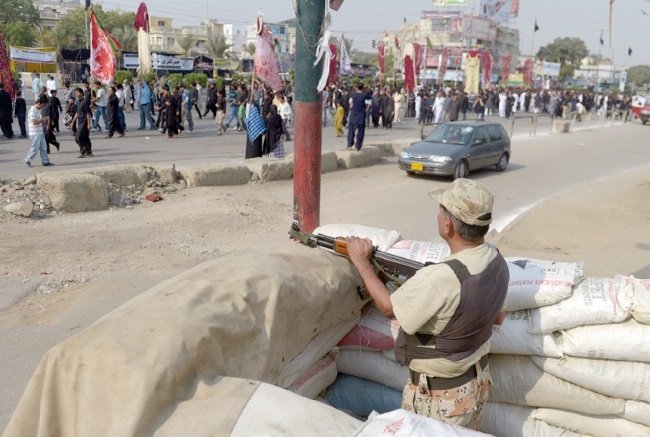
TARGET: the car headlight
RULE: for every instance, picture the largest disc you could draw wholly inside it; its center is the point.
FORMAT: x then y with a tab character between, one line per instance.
404	155
436	158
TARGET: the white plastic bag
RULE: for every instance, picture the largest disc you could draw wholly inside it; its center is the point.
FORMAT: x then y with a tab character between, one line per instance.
381	238
401	423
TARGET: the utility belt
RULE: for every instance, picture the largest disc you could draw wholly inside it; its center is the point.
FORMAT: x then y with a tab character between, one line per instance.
438	383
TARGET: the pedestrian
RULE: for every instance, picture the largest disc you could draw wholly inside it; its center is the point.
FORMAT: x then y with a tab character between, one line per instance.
20	112
503	97
186	107
479	107
285	113
220	106
232	101
70	112
55	109
112	111
121	105
254	136
241	112
36	85
128	96
439	107
454	109
50	84
398	100
210	97
194	97
375	109
357	117
6	108
171	113
50	138
444	341
273	142
83	120
36	133
100	101
144	103
387	110
338	119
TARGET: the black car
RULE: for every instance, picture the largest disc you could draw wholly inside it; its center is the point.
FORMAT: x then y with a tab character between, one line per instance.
456	148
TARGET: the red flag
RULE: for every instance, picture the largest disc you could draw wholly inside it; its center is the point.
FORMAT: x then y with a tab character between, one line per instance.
5	71
396	42
334	71
266	67
102	59
528	72
487	68
505	67
409	78
418	56
442	68
380	48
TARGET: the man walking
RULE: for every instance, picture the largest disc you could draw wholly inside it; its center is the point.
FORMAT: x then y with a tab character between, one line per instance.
113	115
36	133
145	105
6	118
357	117
194	97
83	120
100	101
186	109
36	86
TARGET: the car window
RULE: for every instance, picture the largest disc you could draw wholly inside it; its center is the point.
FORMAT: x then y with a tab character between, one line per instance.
482	133
504	133
495	133
451	134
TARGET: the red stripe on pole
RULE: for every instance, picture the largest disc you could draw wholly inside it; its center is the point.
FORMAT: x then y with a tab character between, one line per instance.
307	163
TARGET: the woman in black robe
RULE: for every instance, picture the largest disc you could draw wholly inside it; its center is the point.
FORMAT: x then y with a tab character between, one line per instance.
171	108
255	127
111	112
273	142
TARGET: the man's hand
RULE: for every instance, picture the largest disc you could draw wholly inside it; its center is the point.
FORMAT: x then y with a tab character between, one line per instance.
359	249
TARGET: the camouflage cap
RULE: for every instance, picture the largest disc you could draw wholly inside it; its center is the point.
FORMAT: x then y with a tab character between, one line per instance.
467	200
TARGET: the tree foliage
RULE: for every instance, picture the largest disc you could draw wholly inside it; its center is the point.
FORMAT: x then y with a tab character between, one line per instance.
218	47
186	43
366	58
565	51
639	75
128	36
349	46
12	11
249	49
18	33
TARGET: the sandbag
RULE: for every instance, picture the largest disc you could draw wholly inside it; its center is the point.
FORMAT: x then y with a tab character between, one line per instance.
421	251
594	301
641	307
513	338
381	238
361	397
593	425
373	332
517	421
627	341
618	379
373	366
636	411
517	380
536	283
402	423
318	378
244	315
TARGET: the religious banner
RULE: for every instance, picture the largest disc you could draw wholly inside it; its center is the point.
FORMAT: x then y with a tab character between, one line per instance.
496	10
417	55
171	63
41	55
102	59
444	60
472	72
5	71
345	68
266	67
334	71
381	49
409	77
505	67
528	73
487	68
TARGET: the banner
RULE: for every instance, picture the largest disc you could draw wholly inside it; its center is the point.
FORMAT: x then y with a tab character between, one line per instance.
171	63
472	72
551	68
409	77
479	28
505	67
528	73
266	67
514	8
623	80
444	60
5	71
345	68
102	59
418	53
497	10
381	51
44	55
487	68
333	77
450	2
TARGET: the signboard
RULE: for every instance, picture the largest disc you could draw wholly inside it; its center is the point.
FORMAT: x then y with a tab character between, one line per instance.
444	22
46	55
622	82
438	3
160	62
479	28
497	10
551	68
514	8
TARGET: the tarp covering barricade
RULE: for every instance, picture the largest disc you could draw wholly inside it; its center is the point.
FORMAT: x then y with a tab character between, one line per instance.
135	370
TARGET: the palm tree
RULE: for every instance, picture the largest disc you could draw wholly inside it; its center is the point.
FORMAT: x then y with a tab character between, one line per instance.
250	49
128	36
219	48
186	43
349	45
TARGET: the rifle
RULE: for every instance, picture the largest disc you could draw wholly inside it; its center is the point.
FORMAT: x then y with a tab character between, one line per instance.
389	267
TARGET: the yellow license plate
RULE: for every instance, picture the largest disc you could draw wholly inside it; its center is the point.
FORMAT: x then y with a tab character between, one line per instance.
417	166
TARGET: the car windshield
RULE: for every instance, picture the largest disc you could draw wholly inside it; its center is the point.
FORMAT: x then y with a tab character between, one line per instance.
451	134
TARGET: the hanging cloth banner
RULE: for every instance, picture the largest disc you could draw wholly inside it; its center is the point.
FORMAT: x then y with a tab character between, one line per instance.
444	60
487	68
141	24
5	71
472	72
334	70
266	67
505	67
102	59
324	53
345	68
528	73
44	55
381	50
409	77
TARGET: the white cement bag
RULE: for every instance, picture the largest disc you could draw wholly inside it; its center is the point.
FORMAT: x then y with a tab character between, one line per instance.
536	283
421	251
626	341
594	301
543	429
618	379
636	411
272	411
381	238
517	380
373	332
318	378
641	307
317	348
401	423
508	420
593	425
513	338
374	366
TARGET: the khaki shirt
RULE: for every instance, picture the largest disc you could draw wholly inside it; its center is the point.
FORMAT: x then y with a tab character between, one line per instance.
427	302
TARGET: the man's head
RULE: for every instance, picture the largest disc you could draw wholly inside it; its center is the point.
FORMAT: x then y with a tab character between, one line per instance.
40	102
465	210
79	93
2	86
53	93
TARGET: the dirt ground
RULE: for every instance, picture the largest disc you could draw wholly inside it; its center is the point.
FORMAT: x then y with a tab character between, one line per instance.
60	274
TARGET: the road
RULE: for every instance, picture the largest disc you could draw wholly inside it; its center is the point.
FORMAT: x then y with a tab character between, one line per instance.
122	253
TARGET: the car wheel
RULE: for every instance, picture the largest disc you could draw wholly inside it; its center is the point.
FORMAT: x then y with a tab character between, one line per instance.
503	162
644	121
461	170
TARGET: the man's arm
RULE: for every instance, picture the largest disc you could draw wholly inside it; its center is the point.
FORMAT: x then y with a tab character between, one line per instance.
500	318
360	250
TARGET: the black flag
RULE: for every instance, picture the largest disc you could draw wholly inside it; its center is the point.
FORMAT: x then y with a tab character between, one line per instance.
602	41
629	51
536	26
87	4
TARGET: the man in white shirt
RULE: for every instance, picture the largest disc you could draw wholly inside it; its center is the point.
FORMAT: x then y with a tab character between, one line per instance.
100	101
285	113
37	133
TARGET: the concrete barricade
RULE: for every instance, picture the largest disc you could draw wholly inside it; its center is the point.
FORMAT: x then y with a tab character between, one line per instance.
329	162
166	172
368	155
561	126
75	192
267	170
216	175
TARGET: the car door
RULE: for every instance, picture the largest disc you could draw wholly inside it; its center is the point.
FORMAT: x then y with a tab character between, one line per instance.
479	149
497	145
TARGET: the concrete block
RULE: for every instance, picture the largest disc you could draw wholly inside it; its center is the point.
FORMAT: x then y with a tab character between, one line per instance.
266	170
329	162
216	175
368	155
386	149
166	173
75	192
123	175
561	126
400	145
23	208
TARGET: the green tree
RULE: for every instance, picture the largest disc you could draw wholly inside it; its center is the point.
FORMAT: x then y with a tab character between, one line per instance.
128	37
249	49
186	43
349	46
639	75
12	11
565	51
18	33
366	58
219	48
